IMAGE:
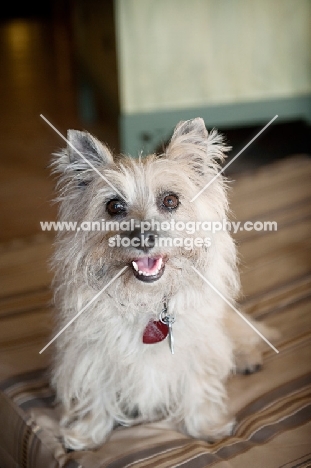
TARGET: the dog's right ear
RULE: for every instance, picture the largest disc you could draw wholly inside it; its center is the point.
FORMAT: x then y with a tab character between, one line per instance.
83	153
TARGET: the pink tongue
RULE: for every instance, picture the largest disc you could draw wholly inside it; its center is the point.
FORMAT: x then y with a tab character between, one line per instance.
147	264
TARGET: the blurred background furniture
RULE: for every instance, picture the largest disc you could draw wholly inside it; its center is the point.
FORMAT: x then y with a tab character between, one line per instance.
152	63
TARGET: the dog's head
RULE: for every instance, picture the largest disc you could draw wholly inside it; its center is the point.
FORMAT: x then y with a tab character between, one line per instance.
145	214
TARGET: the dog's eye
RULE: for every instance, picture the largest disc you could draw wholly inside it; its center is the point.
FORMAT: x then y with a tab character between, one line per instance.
116	207
171	201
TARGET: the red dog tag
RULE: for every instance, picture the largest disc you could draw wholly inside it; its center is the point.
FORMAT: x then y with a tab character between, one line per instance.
154	332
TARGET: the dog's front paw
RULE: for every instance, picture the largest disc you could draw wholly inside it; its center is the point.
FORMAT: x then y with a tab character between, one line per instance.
225	429
71	439
85	433
248	363
201	427
248	346
249	369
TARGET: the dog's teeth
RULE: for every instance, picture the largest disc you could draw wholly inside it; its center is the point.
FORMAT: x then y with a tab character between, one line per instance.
144	273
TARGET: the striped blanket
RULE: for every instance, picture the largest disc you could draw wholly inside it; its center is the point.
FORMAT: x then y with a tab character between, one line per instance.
273	406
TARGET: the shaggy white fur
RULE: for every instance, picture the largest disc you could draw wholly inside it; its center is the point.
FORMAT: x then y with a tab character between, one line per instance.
103	372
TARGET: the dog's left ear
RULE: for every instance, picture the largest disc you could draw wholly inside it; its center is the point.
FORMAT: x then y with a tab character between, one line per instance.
192	143
191	128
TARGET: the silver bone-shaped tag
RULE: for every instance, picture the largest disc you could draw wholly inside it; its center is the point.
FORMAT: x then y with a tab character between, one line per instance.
168	320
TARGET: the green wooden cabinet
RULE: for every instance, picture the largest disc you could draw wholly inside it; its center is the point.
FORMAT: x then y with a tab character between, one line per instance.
150	63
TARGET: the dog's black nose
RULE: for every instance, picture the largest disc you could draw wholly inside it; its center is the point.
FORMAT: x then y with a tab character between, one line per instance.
142	240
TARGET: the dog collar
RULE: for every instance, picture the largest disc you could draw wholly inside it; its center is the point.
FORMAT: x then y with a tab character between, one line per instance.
157	330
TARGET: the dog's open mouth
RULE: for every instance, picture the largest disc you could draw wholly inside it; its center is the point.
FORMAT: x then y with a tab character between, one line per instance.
148	269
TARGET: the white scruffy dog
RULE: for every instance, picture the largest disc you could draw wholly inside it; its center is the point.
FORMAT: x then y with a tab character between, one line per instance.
154	340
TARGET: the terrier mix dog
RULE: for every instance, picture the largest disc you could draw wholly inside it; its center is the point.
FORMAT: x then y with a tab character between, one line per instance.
151	339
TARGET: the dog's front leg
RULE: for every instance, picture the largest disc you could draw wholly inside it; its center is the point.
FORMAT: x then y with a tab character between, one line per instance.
205	409
81	429
85	420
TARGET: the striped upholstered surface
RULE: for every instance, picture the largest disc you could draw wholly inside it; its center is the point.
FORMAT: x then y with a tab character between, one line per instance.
273	406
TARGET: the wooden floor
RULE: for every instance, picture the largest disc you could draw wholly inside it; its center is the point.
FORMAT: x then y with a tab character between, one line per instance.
37	77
